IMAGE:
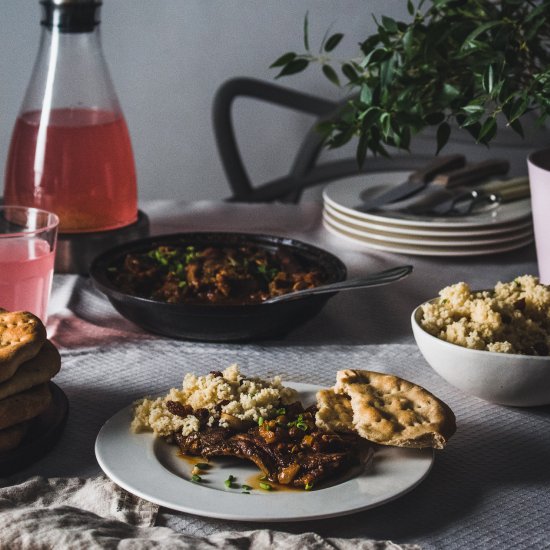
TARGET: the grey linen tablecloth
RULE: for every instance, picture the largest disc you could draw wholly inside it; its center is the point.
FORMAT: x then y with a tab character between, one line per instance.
488	489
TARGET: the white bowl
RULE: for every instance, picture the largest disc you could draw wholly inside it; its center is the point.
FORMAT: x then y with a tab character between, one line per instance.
504	378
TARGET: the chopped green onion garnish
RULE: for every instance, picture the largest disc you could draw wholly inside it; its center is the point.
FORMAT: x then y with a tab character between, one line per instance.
191	254
246	487
299	421
196	477
265	486
308	486
229	481
268	273
260	420
282	410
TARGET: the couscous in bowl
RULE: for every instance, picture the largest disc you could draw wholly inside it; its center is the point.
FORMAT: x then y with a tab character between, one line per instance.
502	377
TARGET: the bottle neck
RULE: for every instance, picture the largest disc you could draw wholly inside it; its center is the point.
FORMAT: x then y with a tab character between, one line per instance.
71	16
70	71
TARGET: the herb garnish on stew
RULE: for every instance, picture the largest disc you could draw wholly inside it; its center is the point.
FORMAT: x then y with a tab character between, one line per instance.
214	274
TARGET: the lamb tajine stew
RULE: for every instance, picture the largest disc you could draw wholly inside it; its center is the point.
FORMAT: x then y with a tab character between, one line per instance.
212	274
289	449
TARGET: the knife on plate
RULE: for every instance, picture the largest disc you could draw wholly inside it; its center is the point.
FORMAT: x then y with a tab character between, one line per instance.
447	178
416	181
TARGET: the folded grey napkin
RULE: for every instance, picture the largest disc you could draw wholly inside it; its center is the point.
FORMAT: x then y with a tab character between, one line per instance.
97	514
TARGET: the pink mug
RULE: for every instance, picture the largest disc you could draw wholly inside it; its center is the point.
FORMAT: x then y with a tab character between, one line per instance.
539	182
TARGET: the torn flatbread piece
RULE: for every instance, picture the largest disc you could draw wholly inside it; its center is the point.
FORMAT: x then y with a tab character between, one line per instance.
334	412
24	406
22	335
38	370
392	411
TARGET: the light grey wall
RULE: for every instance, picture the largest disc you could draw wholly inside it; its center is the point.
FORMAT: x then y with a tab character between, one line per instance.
168	57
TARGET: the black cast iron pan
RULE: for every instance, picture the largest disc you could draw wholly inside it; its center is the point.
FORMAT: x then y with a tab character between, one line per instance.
215	322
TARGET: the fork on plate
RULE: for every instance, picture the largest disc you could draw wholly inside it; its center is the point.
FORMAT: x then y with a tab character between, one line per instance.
464	201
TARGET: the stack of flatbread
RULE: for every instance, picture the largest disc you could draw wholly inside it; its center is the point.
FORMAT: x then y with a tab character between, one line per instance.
385	409
28	361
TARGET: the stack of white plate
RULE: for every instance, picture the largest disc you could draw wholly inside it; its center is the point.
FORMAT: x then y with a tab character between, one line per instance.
499	228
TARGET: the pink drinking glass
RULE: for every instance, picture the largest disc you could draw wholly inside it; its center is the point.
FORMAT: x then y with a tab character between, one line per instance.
539	183
28	238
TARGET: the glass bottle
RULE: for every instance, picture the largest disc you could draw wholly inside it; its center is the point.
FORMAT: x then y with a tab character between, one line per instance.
70	151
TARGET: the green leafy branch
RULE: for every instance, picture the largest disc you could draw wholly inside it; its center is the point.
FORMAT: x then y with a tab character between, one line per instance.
462	61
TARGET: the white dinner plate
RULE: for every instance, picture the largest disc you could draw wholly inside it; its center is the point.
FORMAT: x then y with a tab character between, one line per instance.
348	223
151	469
414	231
347	194
417	250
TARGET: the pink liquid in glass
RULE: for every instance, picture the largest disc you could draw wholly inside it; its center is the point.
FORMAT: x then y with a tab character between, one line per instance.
81	168
26	270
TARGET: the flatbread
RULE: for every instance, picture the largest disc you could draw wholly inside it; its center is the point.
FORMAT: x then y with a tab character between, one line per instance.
392	411
24	406
22	334
39	369
334	412
10	438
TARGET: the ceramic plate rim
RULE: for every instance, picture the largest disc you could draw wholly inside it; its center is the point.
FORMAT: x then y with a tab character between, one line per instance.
427	232
112	449
426	250
415	221
404	239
